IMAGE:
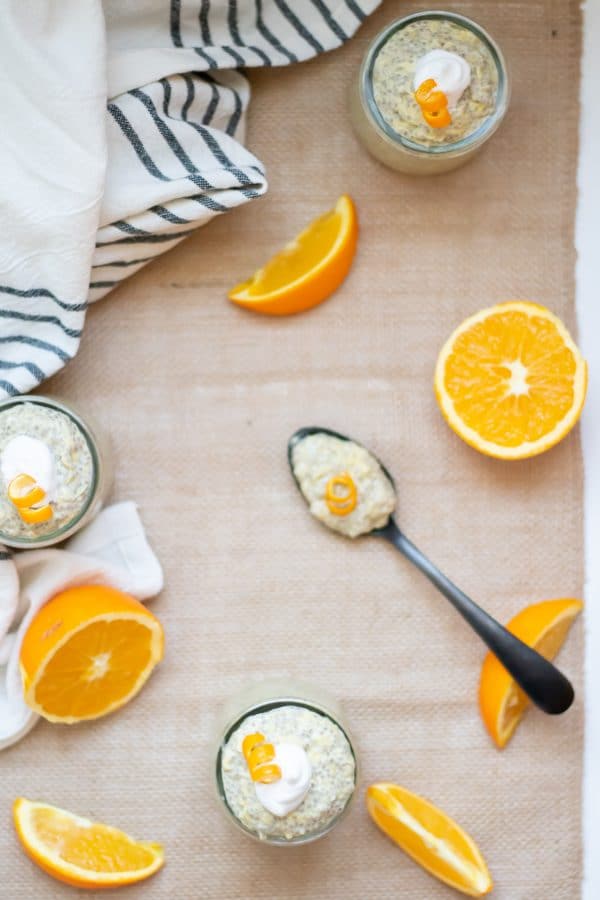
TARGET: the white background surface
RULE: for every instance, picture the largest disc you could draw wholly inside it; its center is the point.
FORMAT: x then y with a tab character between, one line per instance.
588	305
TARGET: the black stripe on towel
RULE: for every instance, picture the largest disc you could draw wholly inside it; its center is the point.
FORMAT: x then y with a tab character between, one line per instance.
43	292
31	367
268	35
123	262
239	60
237	100
133	138
298	26
8	387
175	22
31	317
203	19
169	216
128	228
151	239
355	8
212	106
35	342
332	24
212	63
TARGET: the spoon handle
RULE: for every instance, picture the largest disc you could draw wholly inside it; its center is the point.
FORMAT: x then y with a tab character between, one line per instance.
543	683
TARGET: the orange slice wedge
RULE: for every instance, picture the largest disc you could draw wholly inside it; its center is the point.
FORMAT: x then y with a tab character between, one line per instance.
82	853
308	270
510	381
87	652
430	837
543	626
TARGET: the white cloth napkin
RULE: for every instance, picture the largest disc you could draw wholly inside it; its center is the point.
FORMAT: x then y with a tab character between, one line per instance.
112	550
122	131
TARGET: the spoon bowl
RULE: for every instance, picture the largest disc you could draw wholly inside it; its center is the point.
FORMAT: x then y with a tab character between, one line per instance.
543	683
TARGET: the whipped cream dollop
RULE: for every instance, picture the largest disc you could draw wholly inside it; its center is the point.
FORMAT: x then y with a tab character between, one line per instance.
284	796
24	455
450	71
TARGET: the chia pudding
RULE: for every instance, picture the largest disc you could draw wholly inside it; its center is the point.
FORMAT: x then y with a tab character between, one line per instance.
318	458
51	473
317	774
393	80
432	89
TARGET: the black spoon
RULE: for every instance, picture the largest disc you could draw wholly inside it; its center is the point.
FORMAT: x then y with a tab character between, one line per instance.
543	683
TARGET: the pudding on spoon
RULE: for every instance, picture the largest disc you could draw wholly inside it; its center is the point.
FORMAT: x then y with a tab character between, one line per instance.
543	683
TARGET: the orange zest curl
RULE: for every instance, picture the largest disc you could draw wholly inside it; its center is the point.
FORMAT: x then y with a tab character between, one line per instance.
259	756
24	491
268	774
33	515
341	502
433	103
26	495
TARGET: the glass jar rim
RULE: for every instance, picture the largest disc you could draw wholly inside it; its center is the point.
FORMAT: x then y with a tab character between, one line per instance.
265	706
24	543
471	140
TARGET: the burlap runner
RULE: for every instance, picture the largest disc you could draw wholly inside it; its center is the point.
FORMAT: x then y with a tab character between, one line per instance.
199	393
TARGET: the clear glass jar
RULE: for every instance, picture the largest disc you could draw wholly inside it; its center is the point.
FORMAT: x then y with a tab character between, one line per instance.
264	696
102	474
396	150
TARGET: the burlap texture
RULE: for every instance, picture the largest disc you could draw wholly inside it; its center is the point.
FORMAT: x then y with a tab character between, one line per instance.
201	397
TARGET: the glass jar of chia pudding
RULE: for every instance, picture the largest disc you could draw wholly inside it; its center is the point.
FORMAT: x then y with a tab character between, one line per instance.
432	89
285	766
55	471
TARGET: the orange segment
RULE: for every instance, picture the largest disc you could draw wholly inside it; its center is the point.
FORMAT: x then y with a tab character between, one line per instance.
82	853
543	626
308	270
510	381
434	840
87	652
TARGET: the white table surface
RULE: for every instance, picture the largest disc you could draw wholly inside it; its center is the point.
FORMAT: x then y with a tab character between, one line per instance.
588	306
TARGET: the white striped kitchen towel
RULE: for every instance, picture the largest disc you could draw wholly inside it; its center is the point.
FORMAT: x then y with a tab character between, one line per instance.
123	130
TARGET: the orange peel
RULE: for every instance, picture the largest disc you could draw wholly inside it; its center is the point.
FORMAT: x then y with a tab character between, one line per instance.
33	515
433	103
26	495
259	756
24	491
341	504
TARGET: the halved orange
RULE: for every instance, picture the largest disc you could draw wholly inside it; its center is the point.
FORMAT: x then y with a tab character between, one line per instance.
87	652
306	271
543	626
82	853
510	380
434	840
